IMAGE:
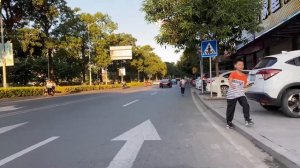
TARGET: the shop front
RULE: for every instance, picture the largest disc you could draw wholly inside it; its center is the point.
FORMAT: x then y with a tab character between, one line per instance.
280	32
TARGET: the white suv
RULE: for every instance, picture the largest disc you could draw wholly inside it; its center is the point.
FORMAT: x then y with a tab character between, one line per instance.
275	83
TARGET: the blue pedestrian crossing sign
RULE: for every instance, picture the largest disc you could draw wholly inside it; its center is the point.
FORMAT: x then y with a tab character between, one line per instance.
209	49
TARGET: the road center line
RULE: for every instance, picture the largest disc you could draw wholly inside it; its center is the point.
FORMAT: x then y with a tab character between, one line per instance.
125	105
25	151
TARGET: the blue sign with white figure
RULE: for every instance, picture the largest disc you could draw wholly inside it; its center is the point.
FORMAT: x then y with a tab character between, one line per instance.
209	48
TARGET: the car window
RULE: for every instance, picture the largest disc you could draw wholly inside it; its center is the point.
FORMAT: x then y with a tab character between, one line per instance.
294	61
266	62
226	75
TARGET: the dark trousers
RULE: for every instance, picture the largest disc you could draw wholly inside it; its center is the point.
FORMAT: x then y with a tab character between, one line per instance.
231	103
182	90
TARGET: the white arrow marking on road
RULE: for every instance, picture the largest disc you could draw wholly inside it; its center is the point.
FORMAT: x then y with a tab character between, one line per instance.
134	141
8	128
131	103
25	151
9	108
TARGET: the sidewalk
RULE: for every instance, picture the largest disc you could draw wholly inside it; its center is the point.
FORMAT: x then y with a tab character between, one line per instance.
273	132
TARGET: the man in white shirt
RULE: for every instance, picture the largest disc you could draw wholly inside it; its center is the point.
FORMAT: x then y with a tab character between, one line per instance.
182	85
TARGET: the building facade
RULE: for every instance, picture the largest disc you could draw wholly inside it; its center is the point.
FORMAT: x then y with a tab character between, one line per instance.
280	32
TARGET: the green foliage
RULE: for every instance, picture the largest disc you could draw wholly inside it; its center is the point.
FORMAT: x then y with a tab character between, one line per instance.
183	21
39	91
173	70
50	32
146	61
21	92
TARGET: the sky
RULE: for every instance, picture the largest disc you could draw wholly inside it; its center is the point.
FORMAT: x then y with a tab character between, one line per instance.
130	19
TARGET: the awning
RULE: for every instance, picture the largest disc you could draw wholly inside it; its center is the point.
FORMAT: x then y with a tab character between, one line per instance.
289	28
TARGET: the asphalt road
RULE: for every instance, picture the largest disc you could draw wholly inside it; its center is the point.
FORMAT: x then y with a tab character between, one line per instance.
150	128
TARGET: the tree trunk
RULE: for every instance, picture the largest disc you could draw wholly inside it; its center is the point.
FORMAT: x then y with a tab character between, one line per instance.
83	63
51	68
217	66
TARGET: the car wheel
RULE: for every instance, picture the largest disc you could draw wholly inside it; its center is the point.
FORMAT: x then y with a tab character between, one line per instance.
270	107
224	90
291	103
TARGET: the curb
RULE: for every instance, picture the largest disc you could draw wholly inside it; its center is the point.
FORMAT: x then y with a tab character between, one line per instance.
274	150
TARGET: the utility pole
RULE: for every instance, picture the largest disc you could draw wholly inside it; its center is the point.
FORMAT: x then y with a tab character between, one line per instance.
3	52
90	66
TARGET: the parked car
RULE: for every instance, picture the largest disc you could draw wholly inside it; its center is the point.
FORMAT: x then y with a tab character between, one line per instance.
224	84
276	83
199	83
165	83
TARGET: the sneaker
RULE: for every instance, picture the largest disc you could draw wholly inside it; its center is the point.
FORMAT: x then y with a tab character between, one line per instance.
229	126
249	123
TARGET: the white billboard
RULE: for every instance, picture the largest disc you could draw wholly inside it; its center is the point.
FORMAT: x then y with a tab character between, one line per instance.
121	53
8	55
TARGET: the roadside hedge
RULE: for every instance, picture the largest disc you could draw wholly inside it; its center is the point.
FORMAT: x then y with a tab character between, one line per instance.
21	92
39	91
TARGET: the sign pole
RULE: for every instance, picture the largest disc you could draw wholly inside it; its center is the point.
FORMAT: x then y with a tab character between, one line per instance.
210	76
201	74
106	76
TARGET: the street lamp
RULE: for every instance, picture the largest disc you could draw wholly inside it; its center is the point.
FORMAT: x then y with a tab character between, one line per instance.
3	51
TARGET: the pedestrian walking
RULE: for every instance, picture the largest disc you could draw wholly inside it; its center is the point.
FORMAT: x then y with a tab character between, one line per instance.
237	82
182	85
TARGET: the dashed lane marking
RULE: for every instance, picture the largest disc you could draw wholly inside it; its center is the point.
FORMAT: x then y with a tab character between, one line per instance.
27	150
130	103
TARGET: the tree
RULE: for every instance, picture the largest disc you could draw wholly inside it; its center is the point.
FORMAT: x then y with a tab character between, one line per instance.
15	15
46	16
147	62
84	34
99	26
173	70
185	21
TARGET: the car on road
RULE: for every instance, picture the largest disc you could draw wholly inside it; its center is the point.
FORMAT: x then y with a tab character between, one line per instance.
275	83
224	84
165	83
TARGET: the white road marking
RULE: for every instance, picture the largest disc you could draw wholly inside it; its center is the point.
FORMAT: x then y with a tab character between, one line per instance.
9	108
134	138
25	151
125	105
45	107
243	151
154	93
8	128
